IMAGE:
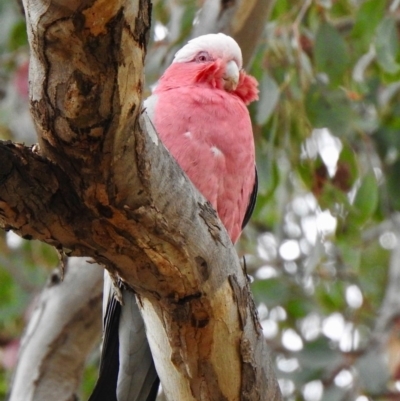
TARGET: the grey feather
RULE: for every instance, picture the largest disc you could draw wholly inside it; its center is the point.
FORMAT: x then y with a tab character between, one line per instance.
136	371
127	371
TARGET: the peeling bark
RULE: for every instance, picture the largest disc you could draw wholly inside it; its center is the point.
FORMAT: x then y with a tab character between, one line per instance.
103	185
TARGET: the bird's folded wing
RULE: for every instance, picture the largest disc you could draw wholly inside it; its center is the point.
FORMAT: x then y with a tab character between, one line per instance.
127	371
252	201
137	379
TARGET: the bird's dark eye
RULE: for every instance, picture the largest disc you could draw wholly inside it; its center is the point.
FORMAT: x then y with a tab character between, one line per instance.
202	57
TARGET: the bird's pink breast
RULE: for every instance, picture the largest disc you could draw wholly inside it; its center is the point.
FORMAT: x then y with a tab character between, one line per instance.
209	133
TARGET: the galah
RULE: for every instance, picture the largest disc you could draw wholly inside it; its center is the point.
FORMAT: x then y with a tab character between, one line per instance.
199	111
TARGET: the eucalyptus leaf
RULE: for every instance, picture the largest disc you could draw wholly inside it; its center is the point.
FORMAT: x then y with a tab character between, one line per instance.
387	45
367	19
331	53
366	199
269	97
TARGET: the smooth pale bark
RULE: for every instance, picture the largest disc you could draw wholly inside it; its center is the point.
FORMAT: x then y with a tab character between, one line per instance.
108	189
50	365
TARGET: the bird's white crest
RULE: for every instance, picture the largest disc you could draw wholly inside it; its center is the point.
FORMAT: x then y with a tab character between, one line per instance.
218	45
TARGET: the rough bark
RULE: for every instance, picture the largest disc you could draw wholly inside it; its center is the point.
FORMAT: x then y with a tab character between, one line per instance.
50	365
102	185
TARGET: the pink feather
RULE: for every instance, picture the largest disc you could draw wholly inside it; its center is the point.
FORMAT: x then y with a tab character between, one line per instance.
208	131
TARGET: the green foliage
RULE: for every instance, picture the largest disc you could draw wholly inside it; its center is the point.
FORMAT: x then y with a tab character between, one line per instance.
365	202
269	97
337	69
318	355
329	109
273	291
18	36
387	46
331	54
367	18
328	154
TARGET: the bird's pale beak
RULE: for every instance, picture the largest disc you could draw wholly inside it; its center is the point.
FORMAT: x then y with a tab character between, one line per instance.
231	76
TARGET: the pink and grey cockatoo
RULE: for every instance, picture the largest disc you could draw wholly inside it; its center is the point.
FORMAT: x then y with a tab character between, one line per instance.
199	111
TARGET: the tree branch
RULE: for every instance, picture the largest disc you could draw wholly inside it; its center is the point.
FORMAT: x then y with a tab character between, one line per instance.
128	204
50	365
36	198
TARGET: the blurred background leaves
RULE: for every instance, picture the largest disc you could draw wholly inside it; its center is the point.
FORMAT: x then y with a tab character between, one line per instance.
323	239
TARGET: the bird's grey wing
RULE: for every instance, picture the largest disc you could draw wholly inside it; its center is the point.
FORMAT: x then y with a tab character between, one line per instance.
127	371
105	389
137	378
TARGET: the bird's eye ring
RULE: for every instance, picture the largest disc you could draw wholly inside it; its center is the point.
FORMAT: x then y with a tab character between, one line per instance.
202	57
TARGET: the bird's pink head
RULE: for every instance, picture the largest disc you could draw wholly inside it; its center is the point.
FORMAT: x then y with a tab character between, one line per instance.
214	60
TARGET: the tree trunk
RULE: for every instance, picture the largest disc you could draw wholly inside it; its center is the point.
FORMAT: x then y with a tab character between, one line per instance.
102	185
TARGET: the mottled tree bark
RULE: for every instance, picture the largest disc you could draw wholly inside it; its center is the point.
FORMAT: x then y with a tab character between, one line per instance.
102	185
